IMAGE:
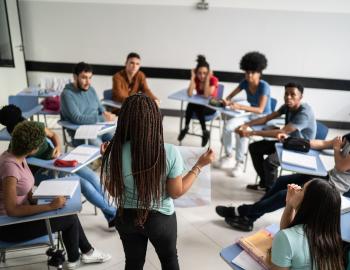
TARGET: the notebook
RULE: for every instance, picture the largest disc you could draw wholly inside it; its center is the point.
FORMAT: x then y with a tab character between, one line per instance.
298	159
82	153
87	132
345	204
258	246
50	189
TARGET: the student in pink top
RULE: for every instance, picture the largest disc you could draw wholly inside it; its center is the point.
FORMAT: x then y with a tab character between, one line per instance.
16	200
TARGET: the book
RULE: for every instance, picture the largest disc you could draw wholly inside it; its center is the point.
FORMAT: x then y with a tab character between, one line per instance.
298	159
258	246
50	189
82	153
345	204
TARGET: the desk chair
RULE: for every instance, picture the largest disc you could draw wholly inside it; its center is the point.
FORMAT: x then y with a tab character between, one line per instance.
107	94
25	103
208	118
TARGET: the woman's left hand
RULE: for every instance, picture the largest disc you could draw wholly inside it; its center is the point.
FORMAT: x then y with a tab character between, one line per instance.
56	152
235	106
294	196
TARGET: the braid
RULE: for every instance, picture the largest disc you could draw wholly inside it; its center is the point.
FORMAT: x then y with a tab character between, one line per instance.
139	122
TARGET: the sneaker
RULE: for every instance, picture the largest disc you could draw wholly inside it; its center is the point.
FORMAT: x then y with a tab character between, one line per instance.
205	137
238	169
240	223
224	162
256	187
95	257
73	265
182	134
111	223
225	211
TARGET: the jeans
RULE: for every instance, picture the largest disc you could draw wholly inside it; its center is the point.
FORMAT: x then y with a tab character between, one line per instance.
72	234
97	142
200	111
265	168
160	229
90	187
275	198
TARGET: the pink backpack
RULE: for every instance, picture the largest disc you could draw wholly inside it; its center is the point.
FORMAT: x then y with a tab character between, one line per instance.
52	104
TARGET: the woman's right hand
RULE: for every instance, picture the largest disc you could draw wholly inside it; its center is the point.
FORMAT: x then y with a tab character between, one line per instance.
103	147
294	196
193	74
57	202
207	158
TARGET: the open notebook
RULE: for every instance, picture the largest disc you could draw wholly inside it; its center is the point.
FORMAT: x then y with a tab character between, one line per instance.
298	159
50	189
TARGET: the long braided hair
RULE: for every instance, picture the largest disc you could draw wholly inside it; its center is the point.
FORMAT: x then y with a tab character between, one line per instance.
140	123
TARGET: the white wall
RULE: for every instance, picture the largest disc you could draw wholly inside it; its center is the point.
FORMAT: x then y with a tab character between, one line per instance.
300	39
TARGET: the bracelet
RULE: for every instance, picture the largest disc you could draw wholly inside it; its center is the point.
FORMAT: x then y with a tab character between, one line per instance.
192	171
196	167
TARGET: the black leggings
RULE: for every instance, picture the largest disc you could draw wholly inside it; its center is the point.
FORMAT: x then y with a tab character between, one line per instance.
160	229
200	111
72	233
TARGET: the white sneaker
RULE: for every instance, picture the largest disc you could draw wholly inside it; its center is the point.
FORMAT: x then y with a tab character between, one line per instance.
95	257
238	169
73	265
224	162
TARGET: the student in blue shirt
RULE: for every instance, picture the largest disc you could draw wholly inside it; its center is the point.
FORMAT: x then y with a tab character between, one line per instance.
143	174
310	229
258	97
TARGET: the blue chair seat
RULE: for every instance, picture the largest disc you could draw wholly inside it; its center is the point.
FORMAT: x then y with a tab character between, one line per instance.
43	240
209	117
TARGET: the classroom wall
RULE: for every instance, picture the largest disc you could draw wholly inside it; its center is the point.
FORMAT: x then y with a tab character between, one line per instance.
300	39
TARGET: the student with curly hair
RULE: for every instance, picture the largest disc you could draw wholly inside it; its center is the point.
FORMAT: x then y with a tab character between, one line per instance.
11	115
206	84
16	200
258	97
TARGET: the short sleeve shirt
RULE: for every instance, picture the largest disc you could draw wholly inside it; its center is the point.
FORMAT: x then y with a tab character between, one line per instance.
212	82
262	90
174	168
302	119
290	249
9	166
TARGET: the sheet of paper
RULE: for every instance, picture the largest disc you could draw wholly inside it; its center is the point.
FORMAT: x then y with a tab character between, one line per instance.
297	159
87	132
345	204
53	188
82	153
245	261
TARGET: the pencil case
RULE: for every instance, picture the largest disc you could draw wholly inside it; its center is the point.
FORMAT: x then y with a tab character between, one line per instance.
65	163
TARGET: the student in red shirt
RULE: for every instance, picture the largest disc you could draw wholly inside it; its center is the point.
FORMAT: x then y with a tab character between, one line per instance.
206	84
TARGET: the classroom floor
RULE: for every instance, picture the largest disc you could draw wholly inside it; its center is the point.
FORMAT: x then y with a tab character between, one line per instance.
201	233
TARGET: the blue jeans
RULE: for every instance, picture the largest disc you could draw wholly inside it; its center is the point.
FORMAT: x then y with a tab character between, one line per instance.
275	198
90	187
97	142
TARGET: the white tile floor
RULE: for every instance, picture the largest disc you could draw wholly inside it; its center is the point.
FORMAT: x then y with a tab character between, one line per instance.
201	233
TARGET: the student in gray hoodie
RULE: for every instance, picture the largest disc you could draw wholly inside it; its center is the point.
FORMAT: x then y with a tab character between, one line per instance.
80	104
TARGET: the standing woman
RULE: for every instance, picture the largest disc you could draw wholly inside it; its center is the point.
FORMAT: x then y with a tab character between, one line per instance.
258	97
205	84
143	174
310	229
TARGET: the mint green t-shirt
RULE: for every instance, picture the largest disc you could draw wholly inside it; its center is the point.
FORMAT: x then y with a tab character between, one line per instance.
290	248
174	168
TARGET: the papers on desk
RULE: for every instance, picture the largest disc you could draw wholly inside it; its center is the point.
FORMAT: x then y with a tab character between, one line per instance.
50	189
245	261
87	131
345	204
82	153
298	159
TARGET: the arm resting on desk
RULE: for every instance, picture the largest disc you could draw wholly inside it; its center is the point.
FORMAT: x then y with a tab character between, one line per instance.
259	109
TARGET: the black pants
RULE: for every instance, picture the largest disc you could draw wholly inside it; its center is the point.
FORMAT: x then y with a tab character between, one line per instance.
266	168
72	233
160	229
200	111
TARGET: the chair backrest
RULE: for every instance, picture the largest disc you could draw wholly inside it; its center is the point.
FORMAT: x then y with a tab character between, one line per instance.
25	103
321	131
107	94
273	103
220	91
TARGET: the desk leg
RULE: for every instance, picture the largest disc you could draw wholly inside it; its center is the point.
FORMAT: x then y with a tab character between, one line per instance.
49	231
86	141
55	174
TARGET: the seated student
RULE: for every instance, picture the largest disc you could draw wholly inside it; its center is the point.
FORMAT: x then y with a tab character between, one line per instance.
80	104
310	229
244	216
206	84
11	115
16	200
131	80
144	186
299	122
258	96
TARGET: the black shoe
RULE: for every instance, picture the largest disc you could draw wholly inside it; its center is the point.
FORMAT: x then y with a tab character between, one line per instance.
182	134
257	187
240	223
205	137
225	211
111	223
